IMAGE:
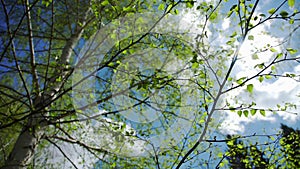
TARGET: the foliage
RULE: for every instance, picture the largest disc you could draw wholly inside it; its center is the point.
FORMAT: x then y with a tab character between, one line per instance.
129	84
280	153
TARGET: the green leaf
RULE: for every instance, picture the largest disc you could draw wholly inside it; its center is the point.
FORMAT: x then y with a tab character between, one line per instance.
104	3
250	37
261	78
213	16
128	9
268	76
220	155
273	68
176	12
291	3
246	113
279	55
272	11
284	14
240	146
262	112
202	121
190	4
253	112
292	51
250	88
195	65
231	41
47	3
273	50
272	138
240	80
239	113
233	34
262	15
290	75
291	21
169	7
255	56
261	66
230	143
229	14
219	72
161	7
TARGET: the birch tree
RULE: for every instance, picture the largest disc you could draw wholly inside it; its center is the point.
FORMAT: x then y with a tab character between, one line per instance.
130	84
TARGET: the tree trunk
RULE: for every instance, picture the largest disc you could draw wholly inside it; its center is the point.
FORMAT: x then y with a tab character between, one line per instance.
23	151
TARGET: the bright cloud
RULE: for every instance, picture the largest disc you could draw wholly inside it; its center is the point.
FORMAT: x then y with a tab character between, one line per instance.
226	23
267	94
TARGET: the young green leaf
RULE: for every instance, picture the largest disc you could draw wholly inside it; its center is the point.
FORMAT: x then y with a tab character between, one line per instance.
284	14
104	3
291	51
190	4
273	50
255	56
202	121
250	88
240	146
220	155
169	7
176	12
262	15
161	6
230	143
239	113
229	14
261	65
272	11
240	80
195	65
213	16
250	37
253	112
233	34
268	76
279	55
291	3
273	68
262	112
246	113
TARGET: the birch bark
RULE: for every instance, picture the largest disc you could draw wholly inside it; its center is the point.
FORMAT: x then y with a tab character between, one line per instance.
23	151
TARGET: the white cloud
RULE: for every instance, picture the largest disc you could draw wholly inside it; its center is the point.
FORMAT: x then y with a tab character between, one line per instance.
226	23
266	94
93	133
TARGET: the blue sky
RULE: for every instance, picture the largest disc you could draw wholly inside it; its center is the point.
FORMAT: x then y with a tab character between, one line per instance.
267	94
271	92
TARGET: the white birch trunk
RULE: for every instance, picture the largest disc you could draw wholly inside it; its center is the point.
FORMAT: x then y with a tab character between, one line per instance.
22	154
23	151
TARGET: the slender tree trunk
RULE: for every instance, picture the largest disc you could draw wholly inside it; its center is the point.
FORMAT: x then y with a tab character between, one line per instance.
23	151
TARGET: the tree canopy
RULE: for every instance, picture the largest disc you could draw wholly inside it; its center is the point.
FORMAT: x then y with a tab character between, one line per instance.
147	84
280	152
